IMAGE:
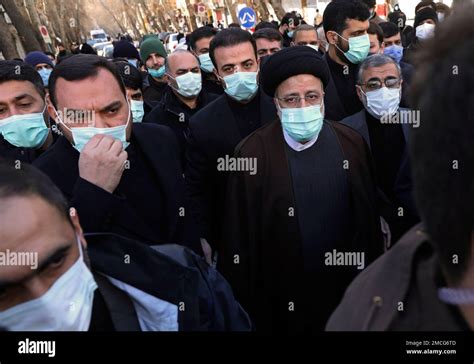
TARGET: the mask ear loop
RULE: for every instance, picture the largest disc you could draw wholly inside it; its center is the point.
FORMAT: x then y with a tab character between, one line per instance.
79	246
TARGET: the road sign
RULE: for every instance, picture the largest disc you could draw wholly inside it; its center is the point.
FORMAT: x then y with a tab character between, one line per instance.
201	8
44	33
247	17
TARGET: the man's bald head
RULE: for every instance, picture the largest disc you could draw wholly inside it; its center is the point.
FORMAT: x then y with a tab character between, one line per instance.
180	62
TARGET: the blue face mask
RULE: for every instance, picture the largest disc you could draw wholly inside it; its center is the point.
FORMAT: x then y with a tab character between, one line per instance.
302	123
290	34
45	73
137	110
241	86
206	63
27	130
358	48
157	73
82	135
395	52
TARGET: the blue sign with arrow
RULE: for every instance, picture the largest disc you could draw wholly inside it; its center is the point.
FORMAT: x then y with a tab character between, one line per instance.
247	17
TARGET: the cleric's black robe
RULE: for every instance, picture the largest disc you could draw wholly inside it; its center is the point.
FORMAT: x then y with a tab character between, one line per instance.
262	235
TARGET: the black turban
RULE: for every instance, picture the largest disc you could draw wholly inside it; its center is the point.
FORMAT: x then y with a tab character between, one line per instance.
290	62
424	14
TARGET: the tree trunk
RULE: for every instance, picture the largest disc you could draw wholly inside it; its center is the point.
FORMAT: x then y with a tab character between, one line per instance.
23	26
7	41
107	9
131	19
192	16
137	14
278	8
231	8
35	20
261	6
55	22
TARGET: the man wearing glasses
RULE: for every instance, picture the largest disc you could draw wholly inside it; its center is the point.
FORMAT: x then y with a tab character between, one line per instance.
385	127
313	197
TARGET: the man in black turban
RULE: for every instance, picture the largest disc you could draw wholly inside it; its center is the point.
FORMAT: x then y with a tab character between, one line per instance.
302	221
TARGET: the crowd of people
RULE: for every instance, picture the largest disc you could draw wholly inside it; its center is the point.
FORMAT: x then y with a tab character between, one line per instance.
296	178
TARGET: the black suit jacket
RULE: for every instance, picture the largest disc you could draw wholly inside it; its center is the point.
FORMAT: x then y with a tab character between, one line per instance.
334	109
171	112
214	133
101	211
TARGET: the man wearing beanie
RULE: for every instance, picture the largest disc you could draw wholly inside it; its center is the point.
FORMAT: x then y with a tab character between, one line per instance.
425	22
125	49
153	55
316	179
41	63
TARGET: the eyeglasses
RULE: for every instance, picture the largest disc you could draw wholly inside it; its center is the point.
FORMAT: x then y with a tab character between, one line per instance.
311	99
375	83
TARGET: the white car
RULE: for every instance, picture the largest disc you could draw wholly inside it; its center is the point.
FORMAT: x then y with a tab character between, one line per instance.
171	42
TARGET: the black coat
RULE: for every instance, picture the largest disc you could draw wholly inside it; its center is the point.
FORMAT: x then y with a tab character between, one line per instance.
407	274
266	238
334	109
101	211
214	133
407	74
12	153
169	272
402	185
27	155
152	92
171	112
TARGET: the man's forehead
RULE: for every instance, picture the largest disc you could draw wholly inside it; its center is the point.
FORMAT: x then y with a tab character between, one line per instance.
244	49
300	82
384	70
310	33
89	92
182	60
23	228
10	90
353	25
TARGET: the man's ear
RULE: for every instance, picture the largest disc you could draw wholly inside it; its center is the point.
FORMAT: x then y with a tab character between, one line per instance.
73	215
331	37
50	107
359	93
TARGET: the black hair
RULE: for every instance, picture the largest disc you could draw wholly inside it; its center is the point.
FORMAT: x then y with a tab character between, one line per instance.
389	29
375	29
200	33
289	18
79	67
370	3
131	76
29	181
442	155
230	37
425	3
338	12
265	25
20	71
268	33
234	25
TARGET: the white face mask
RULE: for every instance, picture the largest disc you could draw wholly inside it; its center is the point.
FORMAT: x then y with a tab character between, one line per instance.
82	135
382	102
425	31
66	306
